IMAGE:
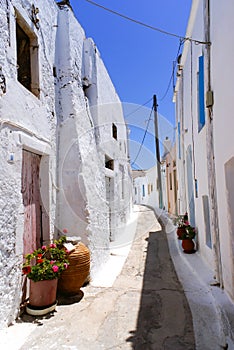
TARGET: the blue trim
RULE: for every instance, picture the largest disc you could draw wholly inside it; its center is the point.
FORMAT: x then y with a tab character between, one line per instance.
201	93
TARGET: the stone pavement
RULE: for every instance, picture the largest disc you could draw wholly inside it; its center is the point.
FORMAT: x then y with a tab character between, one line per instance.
145	308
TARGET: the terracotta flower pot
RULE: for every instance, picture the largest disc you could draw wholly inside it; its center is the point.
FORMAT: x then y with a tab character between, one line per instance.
188	246
43	293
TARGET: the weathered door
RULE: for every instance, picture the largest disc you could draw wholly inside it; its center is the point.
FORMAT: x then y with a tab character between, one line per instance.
32	201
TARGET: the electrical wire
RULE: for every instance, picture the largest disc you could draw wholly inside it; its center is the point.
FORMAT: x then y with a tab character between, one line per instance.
137	109
173	71
146	25
142	142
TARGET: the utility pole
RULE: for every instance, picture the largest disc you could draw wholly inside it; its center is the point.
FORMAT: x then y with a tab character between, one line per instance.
155	105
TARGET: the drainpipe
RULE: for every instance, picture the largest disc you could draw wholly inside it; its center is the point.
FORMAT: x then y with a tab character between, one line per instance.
210	150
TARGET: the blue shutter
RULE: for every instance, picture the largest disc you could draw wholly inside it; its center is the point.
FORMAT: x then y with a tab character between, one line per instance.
201	99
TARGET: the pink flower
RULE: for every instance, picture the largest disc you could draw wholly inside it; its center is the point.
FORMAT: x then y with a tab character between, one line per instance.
43	247
65	230
65	265
52	245
55	268
52	262
186	223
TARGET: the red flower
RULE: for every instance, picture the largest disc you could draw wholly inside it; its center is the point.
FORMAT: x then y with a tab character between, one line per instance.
26	270
39	261
52	245
39	256
65	230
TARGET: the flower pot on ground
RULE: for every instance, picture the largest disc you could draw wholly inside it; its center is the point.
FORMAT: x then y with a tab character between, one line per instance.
43	267
188	244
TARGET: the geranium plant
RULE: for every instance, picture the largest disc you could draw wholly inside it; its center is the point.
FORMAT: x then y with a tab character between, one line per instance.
47	262
189	232
181	220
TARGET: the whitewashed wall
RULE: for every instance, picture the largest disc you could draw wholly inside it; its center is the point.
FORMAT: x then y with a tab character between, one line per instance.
191	137
221	72
222	75
61	126
26	123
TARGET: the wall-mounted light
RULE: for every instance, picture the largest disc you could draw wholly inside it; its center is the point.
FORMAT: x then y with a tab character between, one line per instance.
11	158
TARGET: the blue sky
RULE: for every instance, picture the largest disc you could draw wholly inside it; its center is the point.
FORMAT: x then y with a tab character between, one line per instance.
139	60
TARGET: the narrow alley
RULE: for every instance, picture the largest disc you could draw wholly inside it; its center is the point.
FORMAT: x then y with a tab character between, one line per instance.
145	308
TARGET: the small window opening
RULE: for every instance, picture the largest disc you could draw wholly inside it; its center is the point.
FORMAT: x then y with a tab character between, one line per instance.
23	58
27	57
114	131
109	163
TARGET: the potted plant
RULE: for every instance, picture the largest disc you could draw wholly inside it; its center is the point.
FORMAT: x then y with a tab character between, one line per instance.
43	267
187	239
181	222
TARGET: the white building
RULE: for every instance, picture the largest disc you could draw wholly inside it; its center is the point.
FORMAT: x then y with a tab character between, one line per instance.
145	187
64	147
205	150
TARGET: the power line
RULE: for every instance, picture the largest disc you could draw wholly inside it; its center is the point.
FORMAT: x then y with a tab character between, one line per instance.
173	71
145	25
142	142
137	109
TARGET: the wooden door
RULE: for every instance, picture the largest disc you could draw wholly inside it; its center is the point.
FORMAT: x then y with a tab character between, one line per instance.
32	201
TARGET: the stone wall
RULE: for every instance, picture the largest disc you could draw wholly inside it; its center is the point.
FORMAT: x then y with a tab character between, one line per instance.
67	120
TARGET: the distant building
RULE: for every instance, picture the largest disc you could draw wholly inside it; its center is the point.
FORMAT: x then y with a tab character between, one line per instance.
169	171
145	187
64	159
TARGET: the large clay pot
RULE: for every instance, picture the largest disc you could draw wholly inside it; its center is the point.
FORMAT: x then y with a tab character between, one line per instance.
42	297
72	279
188	246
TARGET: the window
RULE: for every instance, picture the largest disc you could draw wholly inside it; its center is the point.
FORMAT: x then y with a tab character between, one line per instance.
201	99
109	163
143	190
27	56
149	187
114	131
206	213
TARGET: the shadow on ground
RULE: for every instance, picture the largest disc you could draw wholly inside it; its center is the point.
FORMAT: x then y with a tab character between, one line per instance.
61	300
164	319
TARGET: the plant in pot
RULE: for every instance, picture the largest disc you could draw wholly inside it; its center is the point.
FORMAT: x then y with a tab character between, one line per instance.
187	239
43	267
181	221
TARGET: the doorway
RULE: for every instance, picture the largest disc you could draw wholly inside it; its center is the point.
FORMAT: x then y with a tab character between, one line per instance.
109	199
33	237
190	186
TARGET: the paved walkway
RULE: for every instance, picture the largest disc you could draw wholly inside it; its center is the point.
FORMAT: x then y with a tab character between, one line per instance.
145	309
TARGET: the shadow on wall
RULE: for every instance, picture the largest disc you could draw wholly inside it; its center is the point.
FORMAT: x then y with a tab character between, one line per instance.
164	318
